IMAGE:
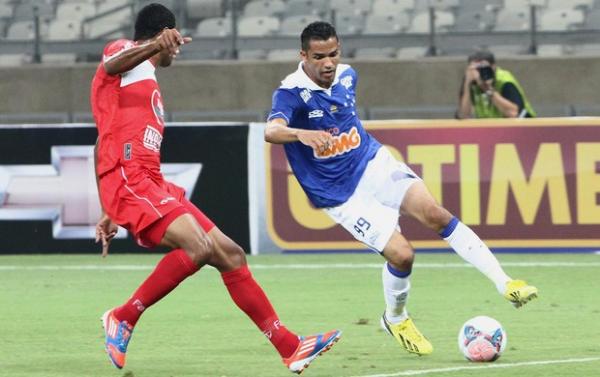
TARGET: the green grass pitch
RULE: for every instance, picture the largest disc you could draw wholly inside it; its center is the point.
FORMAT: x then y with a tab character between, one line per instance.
50	327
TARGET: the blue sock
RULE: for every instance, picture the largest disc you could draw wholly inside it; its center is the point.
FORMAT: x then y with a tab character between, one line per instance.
397	273
447	231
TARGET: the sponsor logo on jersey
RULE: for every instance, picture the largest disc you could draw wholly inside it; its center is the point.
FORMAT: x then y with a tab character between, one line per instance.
166	200
343	143
152	139
127	151
346	82
333	109
158	108
305	95
315	114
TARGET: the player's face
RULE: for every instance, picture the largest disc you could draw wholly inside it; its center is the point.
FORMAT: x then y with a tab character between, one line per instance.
321	60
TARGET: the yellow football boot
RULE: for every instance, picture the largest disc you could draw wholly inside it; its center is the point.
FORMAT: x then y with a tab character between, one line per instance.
407	334
518	292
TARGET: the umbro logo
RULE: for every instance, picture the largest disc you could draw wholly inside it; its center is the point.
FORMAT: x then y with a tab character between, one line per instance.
305	95
315	114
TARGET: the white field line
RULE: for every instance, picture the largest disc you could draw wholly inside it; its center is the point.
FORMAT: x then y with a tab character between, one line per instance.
291	266
423	372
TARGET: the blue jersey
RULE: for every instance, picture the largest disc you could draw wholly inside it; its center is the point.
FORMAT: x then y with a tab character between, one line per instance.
328	178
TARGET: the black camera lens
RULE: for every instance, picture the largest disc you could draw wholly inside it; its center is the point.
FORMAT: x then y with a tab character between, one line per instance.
486	73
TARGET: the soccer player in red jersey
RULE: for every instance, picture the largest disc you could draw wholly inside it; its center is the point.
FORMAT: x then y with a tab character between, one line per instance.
128	111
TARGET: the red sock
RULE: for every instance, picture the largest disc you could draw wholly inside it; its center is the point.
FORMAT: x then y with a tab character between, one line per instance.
249	296
172	269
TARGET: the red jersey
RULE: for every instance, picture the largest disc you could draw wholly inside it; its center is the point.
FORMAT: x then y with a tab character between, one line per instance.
129	115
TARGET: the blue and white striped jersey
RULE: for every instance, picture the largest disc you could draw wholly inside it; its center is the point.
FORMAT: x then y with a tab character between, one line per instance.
328	178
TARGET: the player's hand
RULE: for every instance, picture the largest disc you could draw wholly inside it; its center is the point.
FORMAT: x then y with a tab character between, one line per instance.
320	141
170	39
106	230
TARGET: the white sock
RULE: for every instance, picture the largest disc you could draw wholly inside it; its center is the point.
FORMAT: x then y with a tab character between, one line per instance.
395	292
472	249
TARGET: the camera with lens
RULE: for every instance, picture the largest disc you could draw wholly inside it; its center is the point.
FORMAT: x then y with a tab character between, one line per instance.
486	73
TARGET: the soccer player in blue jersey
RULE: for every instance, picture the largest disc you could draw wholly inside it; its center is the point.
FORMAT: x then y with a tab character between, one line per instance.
360	185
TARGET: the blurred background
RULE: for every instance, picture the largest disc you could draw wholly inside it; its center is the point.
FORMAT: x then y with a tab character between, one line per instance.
410	54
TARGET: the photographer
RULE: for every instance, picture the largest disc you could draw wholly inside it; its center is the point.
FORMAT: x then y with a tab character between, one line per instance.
489	91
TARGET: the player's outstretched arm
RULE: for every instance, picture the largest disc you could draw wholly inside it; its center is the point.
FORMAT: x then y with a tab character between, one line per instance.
277	132
168	39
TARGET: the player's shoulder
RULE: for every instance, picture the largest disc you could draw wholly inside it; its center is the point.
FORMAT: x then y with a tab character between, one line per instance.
116	46
344	70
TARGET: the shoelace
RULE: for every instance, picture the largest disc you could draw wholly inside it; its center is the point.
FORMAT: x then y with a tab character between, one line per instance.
123	335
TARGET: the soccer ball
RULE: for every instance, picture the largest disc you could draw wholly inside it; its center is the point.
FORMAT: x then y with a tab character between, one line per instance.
482	339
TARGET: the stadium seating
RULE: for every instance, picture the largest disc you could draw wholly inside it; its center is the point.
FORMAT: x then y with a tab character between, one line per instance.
372	53
592	19
306	7
258	26
550	50
570	4
390	24
511	20
200	9
10	60
407	53
472	5
6	11
75	19
392	7
351	7
349	24
24	30
284	55
443	22
561	19
447	5
75	11
475	20
264	8
64	30
293	25
214	27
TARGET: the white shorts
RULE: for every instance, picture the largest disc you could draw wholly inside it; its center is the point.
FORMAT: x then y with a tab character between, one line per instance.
371	213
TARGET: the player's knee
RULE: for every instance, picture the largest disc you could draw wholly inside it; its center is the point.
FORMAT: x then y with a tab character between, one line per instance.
236	255
402	258
436	217
201	249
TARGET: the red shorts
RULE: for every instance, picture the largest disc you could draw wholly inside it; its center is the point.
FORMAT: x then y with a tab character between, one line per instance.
145	205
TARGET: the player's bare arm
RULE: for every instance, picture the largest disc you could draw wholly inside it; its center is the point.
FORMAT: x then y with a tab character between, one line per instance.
168	39
106	230
277	132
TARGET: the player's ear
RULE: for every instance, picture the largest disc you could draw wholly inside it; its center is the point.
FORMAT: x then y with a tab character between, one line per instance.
303	55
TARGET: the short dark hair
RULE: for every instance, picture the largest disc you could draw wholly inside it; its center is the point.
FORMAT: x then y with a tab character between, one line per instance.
151	19
317	30
482	55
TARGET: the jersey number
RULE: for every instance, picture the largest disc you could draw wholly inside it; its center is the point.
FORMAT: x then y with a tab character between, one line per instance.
361	225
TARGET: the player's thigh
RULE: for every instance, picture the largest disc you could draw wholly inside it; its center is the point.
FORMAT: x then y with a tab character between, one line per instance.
419	204
227	255
388	179
184	232
369	221
204	221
